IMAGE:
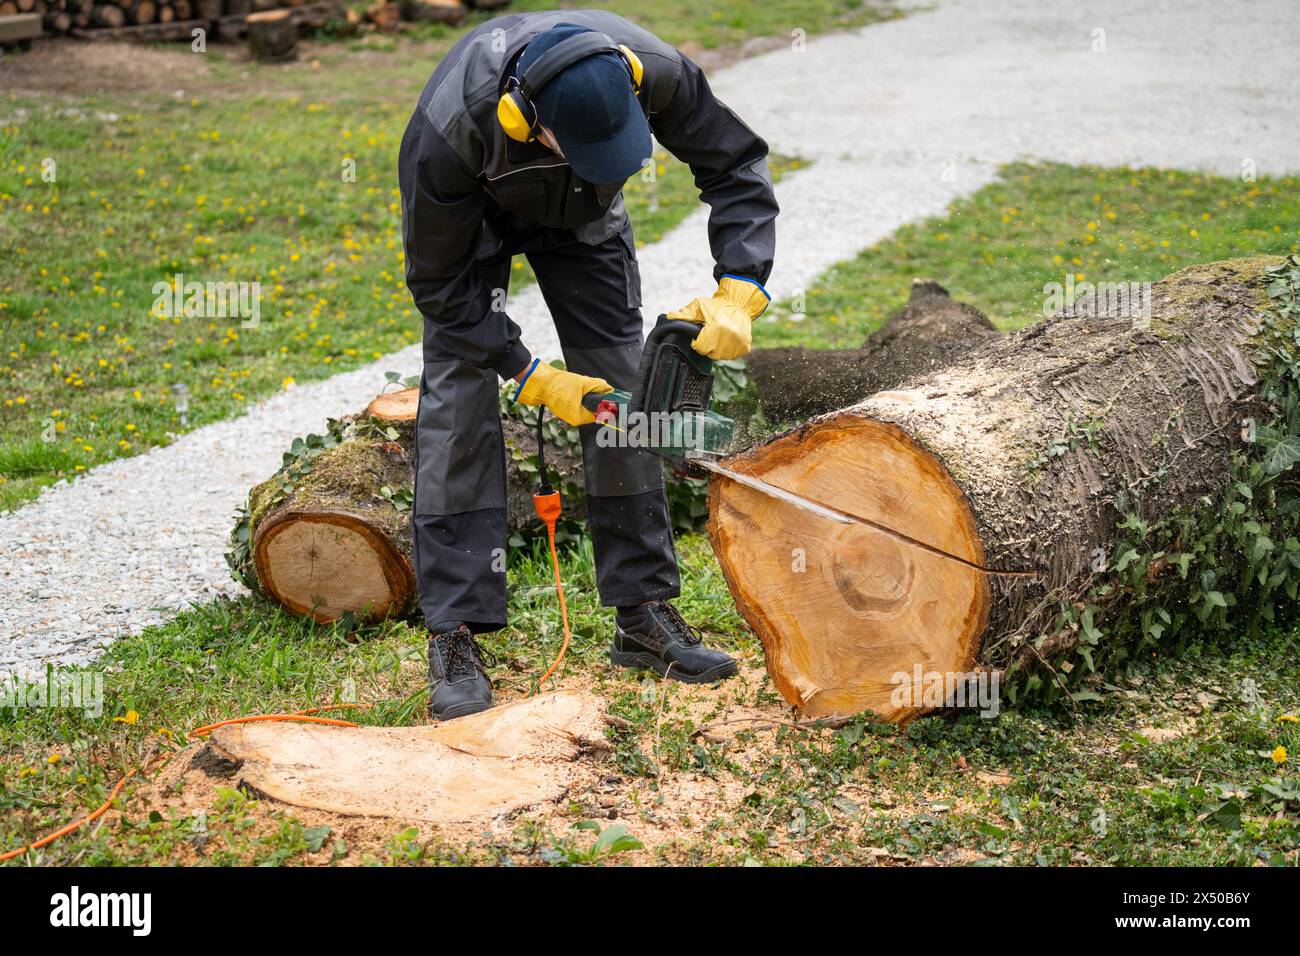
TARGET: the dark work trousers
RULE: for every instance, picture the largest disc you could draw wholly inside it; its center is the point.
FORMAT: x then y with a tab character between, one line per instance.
459	515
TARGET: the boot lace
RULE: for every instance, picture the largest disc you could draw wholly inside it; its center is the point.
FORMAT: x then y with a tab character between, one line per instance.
462	656
689	633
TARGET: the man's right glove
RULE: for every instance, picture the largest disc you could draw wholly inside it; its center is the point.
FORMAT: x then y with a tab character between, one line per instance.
726	317
560	391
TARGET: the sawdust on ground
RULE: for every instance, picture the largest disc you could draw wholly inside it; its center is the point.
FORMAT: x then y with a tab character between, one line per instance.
667	812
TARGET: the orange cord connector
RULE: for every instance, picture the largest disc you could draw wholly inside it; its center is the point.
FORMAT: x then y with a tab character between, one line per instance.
547	504
548	509
302	716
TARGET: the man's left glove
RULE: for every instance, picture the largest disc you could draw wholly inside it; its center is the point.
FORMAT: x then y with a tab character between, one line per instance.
726	317
560	391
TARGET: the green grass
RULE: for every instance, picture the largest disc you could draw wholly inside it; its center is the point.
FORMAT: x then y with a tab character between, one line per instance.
242	184
1174	766
997	248
715	23
215	191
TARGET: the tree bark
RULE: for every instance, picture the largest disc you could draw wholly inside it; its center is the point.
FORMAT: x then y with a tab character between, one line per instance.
1012	459
336	542
931	331
272	36
435	11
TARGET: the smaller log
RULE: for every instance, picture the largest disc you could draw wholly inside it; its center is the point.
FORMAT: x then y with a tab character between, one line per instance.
387	17
8	8
207	9
272	36
166	14
25	6
107	15
400	406
58	22
142	11
435	11
184	9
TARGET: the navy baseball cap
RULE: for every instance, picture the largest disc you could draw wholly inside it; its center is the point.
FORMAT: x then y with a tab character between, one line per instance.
592	110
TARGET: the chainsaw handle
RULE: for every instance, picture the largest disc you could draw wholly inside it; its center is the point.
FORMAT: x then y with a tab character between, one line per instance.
666	328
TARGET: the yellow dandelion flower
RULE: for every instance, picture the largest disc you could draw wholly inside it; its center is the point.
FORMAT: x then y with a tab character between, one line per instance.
1279	755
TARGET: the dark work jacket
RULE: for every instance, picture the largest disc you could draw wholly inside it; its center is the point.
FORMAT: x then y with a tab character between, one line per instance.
463	181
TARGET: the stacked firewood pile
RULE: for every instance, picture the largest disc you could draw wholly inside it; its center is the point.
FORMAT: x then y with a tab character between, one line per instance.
88	17
64	16
387	16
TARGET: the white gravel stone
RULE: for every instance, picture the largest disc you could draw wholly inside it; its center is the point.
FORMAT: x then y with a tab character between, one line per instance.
898	119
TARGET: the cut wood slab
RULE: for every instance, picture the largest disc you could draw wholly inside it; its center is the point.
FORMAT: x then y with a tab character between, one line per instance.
473	768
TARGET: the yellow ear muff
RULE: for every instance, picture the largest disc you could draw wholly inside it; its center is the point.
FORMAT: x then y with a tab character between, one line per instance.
634	63
512	119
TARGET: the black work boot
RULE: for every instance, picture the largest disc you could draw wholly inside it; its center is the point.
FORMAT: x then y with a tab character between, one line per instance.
458	683
656	636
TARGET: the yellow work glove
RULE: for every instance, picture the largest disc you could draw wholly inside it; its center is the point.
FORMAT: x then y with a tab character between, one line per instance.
726	317
560	391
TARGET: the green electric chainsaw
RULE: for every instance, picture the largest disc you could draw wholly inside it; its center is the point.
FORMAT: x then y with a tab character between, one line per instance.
667	412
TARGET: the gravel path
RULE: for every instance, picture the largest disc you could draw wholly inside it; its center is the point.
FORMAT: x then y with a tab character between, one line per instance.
899	119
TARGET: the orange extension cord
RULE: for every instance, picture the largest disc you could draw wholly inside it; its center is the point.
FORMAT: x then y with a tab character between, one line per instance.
301	716
548	509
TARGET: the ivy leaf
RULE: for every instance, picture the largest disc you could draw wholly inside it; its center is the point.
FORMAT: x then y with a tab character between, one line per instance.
316	837
1282	454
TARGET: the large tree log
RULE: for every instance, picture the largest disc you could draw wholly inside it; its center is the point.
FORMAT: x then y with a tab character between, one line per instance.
931	331
1012	458
330	533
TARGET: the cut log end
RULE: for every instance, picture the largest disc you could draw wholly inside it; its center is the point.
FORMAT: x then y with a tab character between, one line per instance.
395	406
326	564
843	610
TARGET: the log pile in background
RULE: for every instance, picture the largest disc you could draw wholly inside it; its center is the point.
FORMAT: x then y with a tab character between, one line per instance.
67	16
175	19
1026	454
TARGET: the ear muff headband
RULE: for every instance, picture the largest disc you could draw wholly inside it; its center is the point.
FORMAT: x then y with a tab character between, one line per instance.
515	110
